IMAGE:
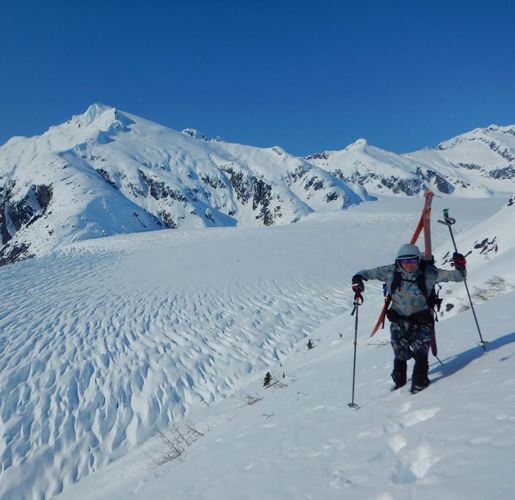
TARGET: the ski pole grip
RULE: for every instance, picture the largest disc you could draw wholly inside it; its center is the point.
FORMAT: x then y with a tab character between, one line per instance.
449	220
358	299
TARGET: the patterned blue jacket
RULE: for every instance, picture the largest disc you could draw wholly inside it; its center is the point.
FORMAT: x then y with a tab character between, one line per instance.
408	298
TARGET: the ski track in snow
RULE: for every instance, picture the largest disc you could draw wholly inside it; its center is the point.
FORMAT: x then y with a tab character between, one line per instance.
97	368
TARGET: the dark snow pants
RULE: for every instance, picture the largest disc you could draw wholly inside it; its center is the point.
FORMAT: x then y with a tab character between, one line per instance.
408	339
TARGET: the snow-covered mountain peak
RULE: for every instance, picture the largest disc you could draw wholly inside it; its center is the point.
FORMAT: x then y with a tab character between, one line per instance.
139	175
96	125
279	151
102	118
492	133
359	144
95	111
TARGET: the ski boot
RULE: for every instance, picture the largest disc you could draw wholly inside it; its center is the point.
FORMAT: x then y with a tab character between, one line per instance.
419	380
399	377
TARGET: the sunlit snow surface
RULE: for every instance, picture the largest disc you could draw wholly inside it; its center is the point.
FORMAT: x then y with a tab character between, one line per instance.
106	342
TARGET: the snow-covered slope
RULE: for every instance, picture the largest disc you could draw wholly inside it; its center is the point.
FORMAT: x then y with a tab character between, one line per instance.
470	165
490	252
108	172
454	441
106	342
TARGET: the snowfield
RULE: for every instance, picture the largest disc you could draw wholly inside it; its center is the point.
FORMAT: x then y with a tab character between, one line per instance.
118	353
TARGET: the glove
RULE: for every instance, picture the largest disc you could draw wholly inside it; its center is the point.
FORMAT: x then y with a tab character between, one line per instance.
459	261
358	287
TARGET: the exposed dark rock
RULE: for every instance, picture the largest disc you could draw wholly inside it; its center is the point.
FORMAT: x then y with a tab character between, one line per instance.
239	183
487	246
168	220
106	176
299	172
215	183
14	215
504	153
159	190
262	196
209	216
43	195
346	178
332	196
469	166
318	156
503	173
14	253
195	134
315	183
441	183
408	186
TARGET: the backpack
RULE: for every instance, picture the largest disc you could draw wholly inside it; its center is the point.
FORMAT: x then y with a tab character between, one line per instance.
432	298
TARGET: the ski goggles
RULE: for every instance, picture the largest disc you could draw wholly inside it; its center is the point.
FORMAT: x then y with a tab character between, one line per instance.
414	260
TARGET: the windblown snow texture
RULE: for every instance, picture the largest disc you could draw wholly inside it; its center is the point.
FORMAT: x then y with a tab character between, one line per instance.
106	342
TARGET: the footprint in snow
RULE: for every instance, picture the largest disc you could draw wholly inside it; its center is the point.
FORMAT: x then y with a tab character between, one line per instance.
397	443
413	465
410	419
338	481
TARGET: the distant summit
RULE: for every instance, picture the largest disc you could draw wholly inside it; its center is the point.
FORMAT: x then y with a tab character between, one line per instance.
92	113
106	172
359	144
478	163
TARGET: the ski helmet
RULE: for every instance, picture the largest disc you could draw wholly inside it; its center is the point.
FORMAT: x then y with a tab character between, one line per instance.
408	251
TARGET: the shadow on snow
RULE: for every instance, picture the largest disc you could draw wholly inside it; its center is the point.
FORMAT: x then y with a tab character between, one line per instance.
460	361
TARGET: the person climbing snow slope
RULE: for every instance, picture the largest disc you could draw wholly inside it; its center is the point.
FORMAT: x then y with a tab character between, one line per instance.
411	282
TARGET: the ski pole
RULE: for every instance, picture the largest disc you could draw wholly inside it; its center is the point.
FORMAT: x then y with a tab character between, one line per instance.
449	221
358	300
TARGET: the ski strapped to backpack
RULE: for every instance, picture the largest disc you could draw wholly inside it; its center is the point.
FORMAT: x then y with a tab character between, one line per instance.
432	299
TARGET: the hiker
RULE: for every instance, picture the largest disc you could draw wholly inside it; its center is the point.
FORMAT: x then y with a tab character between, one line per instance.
411	282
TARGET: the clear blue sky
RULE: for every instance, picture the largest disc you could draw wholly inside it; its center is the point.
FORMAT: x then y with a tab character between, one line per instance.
305	75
